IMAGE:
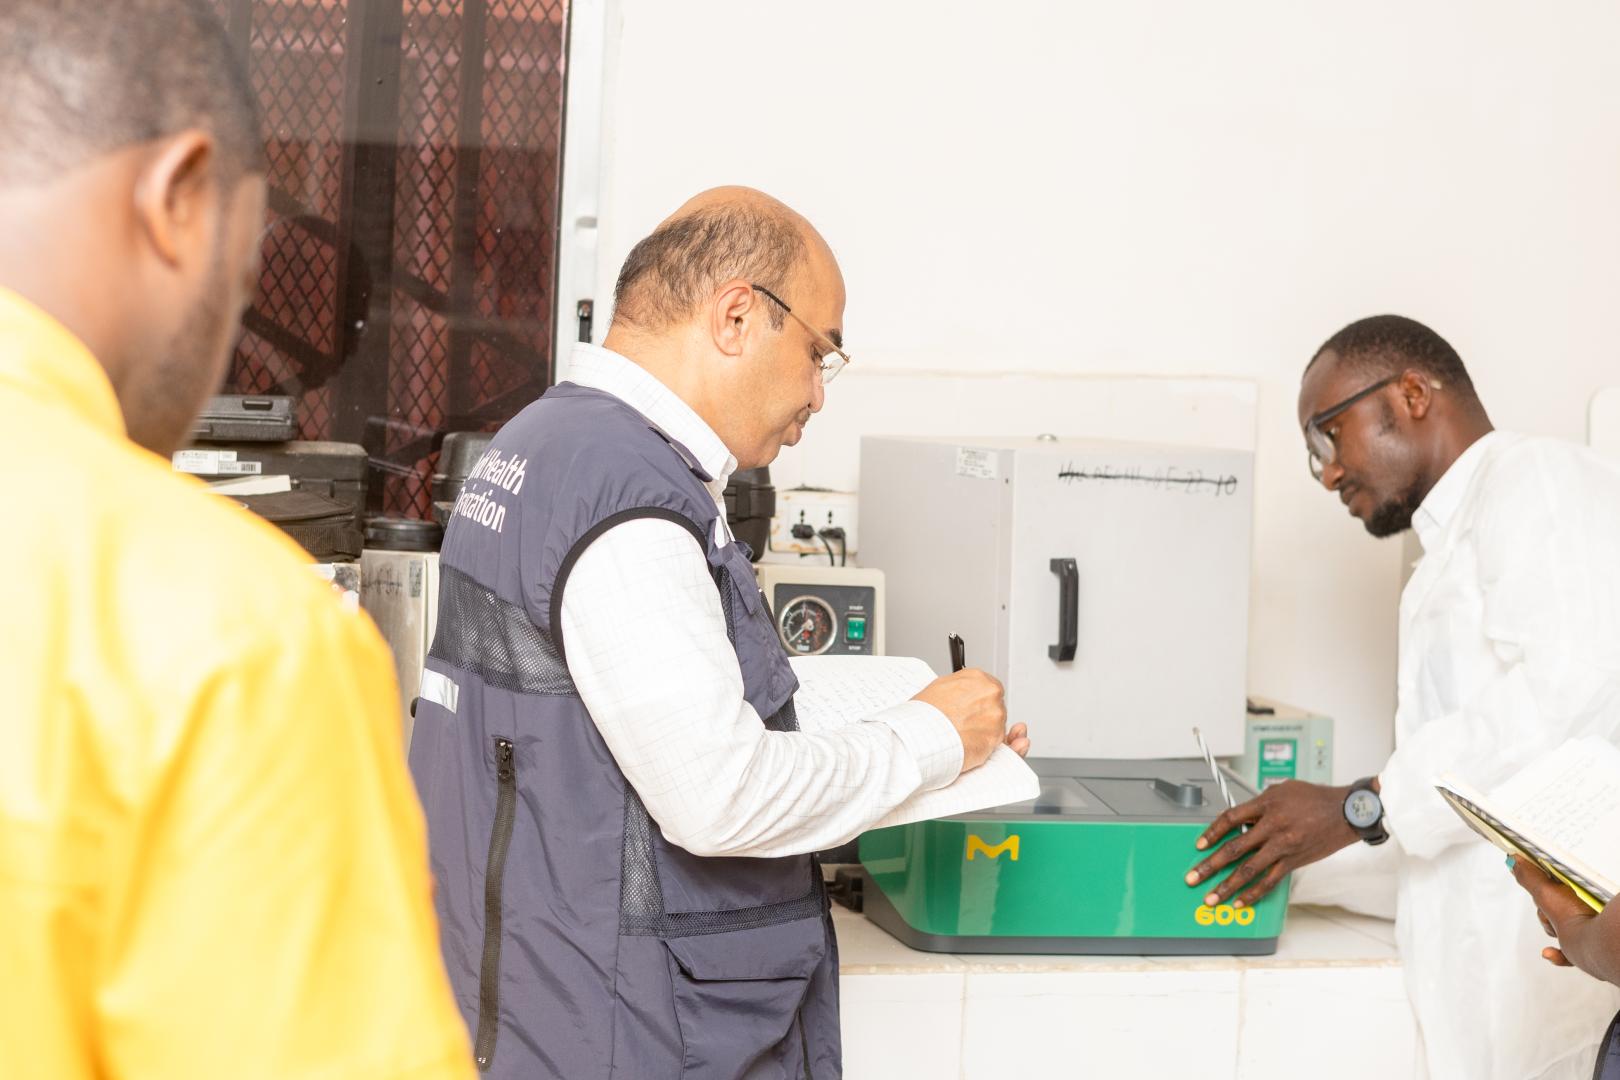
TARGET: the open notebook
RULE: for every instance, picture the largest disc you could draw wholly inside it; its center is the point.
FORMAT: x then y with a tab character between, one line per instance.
1562	812
839	690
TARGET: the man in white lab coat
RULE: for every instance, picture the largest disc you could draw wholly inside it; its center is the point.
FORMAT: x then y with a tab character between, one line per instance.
1509	644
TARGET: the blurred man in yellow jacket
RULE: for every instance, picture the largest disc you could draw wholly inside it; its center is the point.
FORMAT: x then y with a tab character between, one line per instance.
212	863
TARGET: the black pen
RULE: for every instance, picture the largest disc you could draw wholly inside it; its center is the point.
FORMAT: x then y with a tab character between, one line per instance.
958	652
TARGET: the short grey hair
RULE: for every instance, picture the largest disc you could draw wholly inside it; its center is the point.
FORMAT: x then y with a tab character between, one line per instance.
670	272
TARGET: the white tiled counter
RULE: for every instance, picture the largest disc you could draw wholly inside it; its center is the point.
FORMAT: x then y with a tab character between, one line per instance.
1328	1004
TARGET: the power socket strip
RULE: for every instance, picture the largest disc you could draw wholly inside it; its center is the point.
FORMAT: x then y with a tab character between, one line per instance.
820	510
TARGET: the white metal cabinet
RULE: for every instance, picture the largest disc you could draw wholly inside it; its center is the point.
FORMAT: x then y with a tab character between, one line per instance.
967	532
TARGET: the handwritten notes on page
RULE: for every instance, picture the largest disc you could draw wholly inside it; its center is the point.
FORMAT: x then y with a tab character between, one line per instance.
838	690
1563	810
1570	799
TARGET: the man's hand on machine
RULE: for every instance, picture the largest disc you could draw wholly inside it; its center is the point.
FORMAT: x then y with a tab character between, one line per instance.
1290	825
975	704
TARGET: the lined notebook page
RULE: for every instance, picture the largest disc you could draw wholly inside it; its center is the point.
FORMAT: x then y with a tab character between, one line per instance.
838	690
1569	802
1470	806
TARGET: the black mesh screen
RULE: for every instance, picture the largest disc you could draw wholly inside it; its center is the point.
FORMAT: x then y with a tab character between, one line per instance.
409	261
784	719
641	898
480	633
693	923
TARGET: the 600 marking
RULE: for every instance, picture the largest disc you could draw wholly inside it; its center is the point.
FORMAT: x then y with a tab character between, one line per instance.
1224	915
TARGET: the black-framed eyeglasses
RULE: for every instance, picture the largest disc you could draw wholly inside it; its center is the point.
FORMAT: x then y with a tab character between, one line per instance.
1318	443
833	359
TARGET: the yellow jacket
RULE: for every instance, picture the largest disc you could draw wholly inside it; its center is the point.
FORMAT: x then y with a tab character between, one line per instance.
212	862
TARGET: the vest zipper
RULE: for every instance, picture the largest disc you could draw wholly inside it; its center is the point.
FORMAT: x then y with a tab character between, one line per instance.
489	973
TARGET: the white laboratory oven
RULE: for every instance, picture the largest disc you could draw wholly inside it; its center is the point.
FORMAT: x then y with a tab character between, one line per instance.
1105	583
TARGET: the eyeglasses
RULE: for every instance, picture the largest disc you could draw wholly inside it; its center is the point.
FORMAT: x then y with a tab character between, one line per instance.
1318	443
832	359
1321	447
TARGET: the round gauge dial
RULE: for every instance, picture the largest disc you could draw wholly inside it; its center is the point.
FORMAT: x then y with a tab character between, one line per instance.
807	625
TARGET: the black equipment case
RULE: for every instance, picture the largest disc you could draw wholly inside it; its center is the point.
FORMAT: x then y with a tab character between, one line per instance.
333	469
323	527
238	418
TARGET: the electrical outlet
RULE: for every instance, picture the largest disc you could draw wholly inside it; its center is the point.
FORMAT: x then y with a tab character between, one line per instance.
820	510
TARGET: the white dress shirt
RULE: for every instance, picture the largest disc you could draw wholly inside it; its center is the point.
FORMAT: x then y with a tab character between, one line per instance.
1509	644
647	648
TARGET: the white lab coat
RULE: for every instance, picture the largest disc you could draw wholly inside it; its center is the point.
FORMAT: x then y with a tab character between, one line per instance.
1509	644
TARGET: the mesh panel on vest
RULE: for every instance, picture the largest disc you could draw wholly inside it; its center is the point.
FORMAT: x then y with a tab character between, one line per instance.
722	581
692	923
641	899
784	719
497	641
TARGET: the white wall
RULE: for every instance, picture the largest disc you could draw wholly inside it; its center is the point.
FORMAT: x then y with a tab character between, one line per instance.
1171	188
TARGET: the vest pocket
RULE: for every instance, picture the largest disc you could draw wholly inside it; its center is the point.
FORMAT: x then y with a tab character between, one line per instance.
738	997
500	837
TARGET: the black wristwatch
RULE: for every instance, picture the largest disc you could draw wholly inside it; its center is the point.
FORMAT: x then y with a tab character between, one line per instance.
1364	810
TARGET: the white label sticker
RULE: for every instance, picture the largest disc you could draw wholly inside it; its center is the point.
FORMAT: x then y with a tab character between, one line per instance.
980	464
215	463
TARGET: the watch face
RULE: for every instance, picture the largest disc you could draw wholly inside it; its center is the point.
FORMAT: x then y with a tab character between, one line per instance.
1363	809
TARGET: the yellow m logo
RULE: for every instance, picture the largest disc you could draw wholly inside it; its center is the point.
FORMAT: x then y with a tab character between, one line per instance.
975	845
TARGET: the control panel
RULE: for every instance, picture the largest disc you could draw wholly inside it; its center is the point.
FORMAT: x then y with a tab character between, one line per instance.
824	610
1285	742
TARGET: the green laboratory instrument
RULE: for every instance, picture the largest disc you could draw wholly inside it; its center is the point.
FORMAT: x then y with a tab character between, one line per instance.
1094	865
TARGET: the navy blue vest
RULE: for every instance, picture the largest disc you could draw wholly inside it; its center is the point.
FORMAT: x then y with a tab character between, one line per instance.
1608	1062
580	943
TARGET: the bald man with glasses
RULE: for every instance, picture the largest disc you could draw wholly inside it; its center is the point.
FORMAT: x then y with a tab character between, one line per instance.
1509	645
621	809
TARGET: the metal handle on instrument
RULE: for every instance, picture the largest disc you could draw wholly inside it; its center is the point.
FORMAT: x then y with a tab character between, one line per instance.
1068	572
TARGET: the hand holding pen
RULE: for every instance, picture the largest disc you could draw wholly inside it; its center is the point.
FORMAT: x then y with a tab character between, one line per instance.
975	704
